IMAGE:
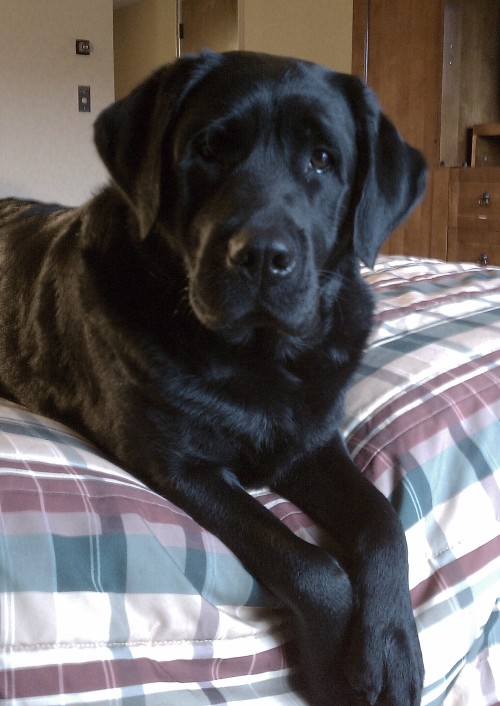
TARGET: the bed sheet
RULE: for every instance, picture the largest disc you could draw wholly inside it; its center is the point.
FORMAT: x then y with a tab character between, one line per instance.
109	594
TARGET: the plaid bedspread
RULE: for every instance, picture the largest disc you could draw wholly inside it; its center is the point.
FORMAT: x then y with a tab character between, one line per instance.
109	594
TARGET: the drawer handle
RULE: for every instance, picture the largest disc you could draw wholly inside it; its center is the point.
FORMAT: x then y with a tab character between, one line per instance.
485	199
483	259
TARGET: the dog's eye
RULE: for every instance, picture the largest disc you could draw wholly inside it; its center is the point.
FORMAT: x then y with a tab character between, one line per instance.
207	151
321	161
206	148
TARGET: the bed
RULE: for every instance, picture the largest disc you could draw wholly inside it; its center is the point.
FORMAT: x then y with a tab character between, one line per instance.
109	594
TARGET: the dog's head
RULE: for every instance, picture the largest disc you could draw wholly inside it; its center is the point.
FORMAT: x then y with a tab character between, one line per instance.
262	173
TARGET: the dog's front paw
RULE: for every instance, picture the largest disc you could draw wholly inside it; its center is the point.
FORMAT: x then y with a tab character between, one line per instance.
332	691
320	623
386	665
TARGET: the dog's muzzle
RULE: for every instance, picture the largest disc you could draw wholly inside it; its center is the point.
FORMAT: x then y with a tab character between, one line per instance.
258	277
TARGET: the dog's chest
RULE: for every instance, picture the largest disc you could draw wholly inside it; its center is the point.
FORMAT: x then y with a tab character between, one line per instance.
255	414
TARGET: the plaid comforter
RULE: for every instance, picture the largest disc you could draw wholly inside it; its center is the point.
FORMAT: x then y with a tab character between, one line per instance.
109	594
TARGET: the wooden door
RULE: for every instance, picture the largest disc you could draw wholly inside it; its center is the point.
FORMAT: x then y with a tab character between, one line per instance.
208	24
398	49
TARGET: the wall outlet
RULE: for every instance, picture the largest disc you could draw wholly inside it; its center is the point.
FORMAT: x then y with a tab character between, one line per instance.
84	99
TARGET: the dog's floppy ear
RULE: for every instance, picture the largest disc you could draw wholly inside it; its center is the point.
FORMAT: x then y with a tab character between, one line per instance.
129	134
391	175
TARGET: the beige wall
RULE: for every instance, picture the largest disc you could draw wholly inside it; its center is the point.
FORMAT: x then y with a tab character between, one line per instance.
316	30
145	32
46	148
145	38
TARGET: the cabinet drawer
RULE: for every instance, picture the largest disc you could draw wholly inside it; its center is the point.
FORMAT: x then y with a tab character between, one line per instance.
479	205
474	252
475	199
474	245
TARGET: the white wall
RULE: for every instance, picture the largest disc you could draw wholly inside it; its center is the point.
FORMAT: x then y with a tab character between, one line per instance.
46	148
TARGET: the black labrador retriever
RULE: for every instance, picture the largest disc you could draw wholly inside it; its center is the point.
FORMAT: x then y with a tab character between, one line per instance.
200	318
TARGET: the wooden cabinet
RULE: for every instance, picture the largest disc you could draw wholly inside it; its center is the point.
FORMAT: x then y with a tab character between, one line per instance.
434	65
474	215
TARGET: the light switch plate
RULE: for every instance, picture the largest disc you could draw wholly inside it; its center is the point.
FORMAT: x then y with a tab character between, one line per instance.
84	99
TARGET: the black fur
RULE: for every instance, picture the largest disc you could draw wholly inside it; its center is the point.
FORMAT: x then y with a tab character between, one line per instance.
200	318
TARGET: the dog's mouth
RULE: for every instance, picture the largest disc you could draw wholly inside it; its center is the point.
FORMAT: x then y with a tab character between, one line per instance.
262	319
238	319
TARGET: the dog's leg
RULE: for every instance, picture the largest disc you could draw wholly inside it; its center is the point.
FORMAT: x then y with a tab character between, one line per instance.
305	577
383	659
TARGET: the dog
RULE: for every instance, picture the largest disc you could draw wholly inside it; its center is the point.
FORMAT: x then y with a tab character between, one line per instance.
200	317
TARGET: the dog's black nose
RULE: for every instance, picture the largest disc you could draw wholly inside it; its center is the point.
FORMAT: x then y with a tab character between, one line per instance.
261	253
